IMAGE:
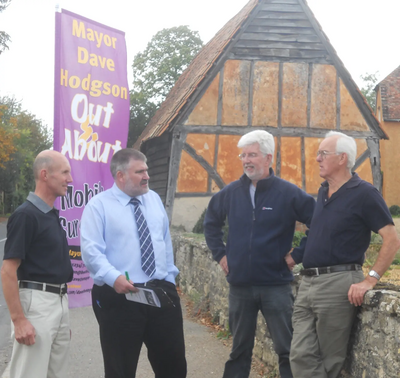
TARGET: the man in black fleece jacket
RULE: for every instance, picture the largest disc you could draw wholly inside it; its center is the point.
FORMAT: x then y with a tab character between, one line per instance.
261	210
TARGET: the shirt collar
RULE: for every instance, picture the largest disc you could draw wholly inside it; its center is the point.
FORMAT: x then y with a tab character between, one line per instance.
39	203
122	197
354	181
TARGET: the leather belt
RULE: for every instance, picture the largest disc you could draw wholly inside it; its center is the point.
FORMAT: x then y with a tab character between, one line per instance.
51	288
329	269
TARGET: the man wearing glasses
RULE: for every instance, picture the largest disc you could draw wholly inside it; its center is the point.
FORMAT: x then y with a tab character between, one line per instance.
333	284
261	210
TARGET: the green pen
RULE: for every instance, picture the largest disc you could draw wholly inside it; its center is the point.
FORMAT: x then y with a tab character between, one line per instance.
127	278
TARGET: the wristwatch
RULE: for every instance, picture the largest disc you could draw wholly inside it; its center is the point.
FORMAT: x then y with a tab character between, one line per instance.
372	273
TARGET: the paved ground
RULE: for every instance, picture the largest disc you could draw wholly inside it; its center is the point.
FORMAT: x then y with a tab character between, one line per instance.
205	353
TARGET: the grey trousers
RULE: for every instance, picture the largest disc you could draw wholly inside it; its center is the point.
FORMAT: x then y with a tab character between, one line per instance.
276	304
322	321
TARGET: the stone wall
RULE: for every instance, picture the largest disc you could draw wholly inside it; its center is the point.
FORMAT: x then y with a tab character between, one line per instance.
374	350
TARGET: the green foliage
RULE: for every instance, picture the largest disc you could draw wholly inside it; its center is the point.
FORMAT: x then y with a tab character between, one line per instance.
394	210
16	176
198	227
224	334
369	83
396	262
4	37
298	235
156	70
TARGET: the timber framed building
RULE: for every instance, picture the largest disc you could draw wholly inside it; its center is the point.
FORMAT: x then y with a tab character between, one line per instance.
270	67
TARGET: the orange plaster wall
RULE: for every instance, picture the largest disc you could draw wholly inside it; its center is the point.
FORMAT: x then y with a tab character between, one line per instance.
350	116
294	94
390	160
192	178
291	160
204	144
229	165
265	94
313	179
323	96
364	170
235	96
205	112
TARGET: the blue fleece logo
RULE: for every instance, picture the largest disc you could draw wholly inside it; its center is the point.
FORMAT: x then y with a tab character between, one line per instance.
267	208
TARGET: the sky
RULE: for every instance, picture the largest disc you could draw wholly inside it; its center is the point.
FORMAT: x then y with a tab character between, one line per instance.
364	33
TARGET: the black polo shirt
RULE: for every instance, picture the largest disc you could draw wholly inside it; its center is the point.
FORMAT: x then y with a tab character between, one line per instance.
341	226
35	235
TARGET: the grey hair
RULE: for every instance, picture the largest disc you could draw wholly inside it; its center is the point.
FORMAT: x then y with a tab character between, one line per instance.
264	139
122	158
345	144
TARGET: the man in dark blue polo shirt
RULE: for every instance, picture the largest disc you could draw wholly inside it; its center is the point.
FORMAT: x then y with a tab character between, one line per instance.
333	284
34	274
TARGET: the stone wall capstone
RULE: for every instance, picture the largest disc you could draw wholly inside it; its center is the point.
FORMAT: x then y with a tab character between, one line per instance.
374	348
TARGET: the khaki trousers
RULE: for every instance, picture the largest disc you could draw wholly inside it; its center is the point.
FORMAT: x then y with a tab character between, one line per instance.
48	357
322	321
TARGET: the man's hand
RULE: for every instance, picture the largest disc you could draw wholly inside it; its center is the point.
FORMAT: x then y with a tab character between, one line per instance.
123	286
289	261
357	291
224	265
24	332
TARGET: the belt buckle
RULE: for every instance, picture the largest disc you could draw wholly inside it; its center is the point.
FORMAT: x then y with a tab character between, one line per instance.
63	287
316	271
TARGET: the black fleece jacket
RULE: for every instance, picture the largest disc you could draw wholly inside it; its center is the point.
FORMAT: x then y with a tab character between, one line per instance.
258	238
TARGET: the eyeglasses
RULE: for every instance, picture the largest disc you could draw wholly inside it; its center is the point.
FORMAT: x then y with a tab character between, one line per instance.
250	155
324	153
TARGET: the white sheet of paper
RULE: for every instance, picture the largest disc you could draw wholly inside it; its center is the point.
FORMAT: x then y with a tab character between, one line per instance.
145	296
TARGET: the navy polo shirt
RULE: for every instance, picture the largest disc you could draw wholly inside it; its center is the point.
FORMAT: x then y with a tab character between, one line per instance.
341	226
35	235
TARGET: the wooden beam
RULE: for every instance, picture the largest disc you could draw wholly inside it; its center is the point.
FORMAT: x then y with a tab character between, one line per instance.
281	53
291	131
365	155
283	45
309	91
282	23
303	164
282	15
178	140
241	56
375	159
220	92
278	157
280	90
282	7
307	38
210	170
302	31
338	102
250	107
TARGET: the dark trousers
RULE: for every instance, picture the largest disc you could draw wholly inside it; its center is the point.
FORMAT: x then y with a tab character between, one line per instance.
126	325
276	305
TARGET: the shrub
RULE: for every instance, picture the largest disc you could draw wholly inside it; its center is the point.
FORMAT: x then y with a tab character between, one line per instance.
394	210
298	235
198	227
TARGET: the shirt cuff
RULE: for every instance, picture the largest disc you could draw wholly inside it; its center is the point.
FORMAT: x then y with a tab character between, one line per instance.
111	276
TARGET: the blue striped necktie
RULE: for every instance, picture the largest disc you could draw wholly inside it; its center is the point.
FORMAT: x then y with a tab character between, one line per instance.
146	245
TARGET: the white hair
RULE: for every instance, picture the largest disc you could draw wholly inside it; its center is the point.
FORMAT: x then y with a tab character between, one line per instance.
345	144
264	139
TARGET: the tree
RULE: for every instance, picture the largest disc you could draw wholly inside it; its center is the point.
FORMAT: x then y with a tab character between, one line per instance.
30	137
4	37
368	87
156	70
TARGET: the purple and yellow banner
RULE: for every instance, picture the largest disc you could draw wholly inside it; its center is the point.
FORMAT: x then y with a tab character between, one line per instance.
91	120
